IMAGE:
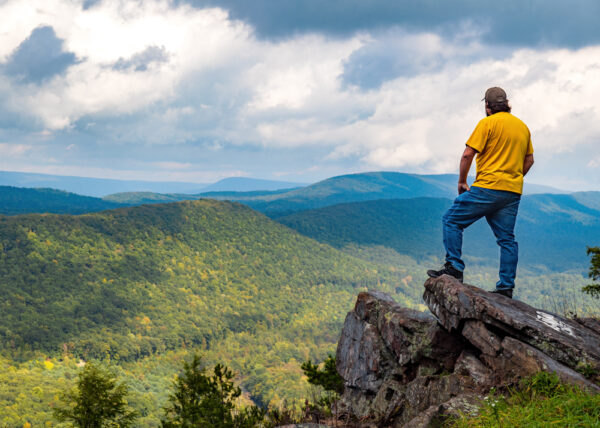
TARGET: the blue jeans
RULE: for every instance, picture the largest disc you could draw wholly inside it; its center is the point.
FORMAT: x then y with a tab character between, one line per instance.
500	210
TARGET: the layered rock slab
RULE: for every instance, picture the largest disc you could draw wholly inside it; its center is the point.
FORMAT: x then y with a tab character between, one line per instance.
396	362
407	368
459	306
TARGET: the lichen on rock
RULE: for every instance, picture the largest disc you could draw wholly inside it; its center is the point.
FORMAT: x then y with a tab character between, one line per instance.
407	368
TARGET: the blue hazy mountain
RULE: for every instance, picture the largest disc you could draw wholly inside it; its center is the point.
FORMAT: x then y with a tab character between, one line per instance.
246	184
365	187
100	187
139	198
589	199
276	203
553	230
94	186
259	194
18	200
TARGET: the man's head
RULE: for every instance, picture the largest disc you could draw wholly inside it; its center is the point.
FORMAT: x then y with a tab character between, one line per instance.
496	101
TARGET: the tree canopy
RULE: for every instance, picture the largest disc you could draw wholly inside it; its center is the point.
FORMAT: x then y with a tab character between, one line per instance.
98	401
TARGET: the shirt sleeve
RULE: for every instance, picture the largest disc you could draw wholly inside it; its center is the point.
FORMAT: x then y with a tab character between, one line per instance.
479	137
529	146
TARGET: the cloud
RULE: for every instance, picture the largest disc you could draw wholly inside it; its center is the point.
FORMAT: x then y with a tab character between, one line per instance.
175	89
39	57
142	60
396	52
509	22
106	34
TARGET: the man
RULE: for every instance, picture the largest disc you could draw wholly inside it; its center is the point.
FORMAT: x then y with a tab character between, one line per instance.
502	143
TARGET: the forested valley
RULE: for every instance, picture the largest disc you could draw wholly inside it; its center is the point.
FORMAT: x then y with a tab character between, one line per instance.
143	287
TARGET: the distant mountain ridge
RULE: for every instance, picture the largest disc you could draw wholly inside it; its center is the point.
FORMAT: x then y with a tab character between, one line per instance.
363	187
247	184
17	200
290	196
96	187
139	198
100	187
332	191
552	230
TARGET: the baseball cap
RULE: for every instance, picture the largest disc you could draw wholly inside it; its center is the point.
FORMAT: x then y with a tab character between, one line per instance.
495	95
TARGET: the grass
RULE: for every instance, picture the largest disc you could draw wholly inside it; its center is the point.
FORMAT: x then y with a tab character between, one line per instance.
540	401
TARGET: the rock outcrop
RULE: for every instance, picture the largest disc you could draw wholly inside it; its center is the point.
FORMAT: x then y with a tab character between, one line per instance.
404	368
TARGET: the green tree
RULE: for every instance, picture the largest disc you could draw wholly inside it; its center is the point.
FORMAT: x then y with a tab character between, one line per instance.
97	401
328	378
330	381
202	399
594	289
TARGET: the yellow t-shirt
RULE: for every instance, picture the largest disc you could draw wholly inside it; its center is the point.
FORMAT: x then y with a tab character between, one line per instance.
502	142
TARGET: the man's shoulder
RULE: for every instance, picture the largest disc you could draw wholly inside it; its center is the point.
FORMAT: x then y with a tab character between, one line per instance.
505	117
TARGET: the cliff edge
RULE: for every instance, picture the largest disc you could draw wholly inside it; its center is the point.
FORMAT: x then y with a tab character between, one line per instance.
404	368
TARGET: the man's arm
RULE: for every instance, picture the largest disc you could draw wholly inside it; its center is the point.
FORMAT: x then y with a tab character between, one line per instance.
465	165
527	163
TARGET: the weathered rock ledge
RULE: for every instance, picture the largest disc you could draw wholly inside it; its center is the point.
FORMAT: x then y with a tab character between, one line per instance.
404	368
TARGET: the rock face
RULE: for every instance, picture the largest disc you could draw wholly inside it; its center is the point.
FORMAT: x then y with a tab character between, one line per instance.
407	368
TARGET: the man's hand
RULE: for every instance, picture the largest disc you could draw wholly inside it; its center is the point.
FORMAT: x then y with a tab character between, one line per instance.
465	164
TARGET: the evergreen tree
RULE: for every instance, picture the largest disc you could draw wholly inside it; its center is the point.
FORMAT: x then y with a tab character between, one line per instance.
594	289
97	401
328	378
331	382
202	399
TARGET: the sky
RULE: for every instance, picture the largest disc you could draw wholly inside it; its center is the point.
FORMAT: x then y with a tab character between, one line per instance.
292	90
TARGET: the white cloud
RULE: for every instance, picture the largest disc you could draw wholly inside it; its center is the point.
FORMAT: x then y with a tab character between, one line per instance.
100	36
218	85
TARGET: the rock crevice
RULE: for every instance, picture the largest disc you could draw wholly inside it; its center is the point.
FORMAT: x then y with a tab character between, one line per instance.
407	368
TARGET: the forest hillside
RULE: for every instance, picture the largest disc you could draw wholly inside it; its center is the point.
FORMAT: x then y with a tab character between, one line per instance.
133	284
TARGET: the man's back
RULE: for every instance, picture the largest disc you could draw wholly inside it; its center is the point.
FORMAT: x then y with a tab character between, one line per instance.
502	142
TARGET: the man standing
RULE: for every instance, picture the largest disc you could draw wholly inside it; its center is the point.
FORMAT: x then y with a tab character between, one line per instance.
502	143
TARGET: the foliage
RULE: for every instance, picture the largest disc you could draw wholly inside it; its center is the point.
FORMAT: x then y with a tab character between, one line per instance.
331	385
588	370
125	284
29	390
560	224
141	287
285	416
328	377
202	399
18	200
356	187
594	274
145	287
138	198
98	401
541	400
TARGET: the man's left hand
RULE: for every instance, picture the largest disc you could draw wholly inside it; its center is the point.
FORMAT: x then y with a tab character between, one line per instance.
462	188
